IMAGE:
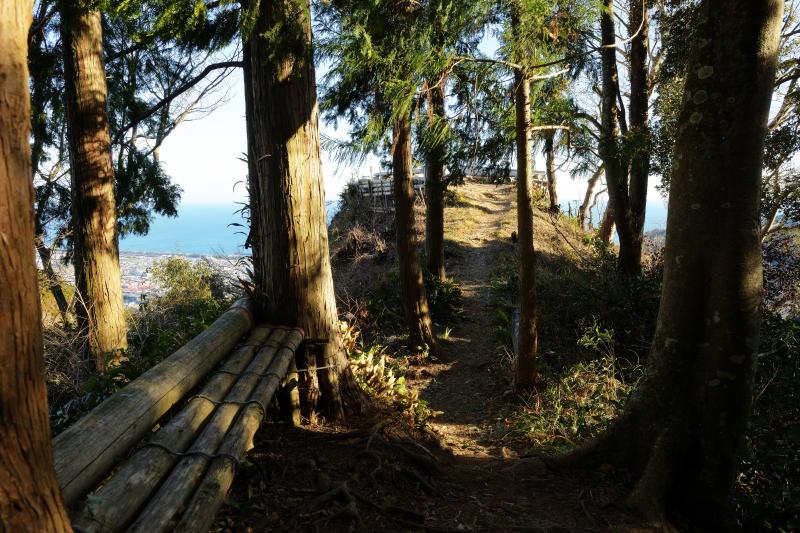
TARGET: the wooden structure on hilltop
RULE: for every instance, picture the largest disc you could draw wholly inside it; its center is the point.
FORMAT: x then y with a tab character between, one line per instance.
378	189
173	472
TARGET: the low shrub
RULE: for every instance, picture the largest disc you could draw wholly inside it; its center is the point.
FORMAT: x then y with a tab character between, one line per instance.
190	296
768	487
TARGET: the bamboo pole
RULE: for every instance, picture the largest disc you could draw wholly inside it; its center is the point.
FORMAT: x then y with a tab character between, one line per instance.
215	485
183	479
114	505
87	450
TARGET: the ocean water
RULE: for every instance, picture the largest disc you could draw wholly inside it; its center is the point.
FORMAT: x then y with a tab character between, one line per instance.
198	229
208	229
655	214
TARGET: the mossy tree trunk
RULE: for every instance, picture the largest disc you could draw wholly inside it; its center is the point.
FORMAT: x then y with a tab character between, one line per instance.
94	219
412	285
682	433
29	496
528	339
435	187
290	238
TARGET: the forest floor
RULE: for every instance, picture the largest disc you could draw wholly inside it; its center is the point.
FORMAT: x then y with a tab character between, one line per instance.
456	471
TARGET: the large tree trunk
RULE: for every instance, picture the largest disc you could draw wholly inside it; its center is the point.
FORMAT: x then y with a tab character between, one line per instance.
97	273
412	286
435	187
640	133
682	433
550	170
614	161
291	236
29	496
528	338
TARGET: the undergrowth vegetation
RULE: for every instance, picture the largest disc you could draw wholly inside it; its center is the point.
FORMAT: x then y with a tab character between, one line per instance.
585	383
380	375
588	370
190	296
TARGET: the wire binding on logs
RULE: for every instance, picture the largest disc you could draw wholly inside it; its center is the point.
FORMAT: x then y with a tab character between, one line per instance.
252	373
217	403
190	453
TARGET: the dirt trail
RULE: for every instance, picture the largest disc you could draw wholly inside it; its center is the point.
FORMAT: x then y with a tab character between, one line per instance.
381	473
464	391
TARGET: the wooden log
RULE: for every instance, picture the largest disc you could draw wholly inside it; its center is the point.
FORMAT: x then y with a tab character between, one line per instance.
200	513
182	481
87	450
114	505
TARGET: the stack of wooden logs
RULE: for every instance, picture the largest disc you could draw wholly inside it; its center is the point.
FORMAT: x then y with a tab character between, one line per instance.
178	478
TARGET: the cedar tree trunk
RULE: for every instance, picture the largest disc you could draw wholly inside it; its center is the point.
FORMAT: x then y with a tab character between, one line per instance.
291	236
682	433
528	340
412	286
29	496
435	187
97	273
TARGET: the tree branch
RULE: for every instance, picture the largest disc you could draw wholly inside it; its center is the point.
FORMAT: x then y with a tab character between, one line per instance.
173	95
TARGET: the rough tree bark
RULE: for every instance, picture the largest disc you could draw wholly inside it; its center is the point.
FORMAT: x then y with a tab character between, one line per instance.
412	286
550	170
682	432
29	495
528	338
435	187
97	273
291	236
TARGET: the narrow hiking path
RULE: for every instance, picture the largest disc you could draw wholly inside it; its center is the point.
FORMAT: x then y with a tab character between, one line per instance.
383	471
464	391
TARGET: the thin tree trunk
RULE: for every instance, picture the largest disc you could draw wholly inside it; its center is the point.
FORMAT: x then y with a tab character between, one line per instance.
769	225
291	236
45	255
53	280
587	198
435	187
614	161
682	433
528	339
29	496
550	170
97	272
640	132
412	286
606	230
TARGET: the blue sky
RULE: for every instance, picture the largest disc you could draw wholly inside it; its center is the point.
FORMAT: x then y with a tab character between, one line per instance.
202	156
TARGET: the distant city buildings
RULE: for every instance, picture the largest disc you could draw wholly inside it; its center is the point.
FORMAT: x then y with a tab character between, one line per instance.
137	280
